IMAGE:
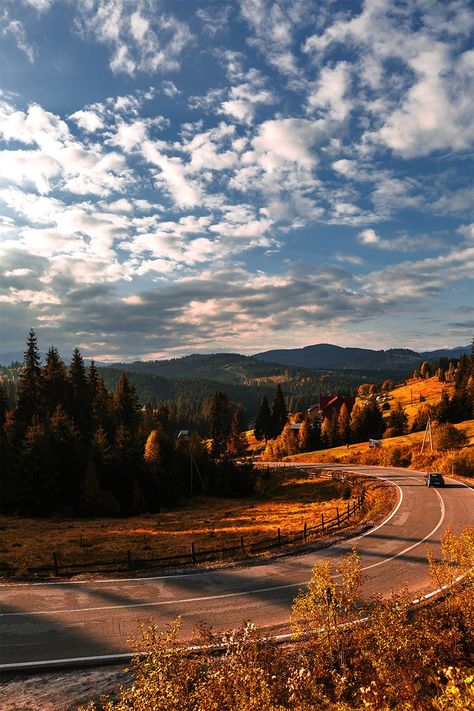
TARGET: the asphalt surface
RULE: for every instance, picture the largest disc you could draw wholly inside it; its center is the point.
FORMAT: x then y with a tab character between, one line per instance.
93	620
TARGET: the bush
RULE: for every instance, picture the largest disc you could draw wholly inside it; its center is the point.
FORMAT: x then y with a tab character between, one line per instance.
464	462
447	436
397	456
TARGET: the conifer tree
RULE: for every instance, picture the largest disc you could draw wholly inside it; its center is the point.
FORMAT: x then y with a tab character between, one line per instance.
237	442
127	405
397	422
220	423
80	406
63	477
263	423
29	386
55	383
279	412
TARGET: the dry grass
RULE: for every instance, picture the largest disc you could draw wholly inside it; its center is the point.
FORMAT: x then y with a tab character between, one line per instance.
340	453
288	500
430	390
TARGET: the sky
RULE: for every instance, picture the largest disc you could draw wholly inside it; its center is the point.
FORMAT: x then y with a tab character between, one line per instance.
191	176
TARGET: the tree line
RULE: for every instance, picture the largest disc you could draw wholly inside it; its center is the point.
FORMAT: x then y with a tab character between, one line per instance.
71	446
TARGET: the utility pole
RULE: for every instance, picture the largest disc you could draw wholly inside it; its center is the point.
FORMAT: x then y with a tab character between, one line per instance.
427	431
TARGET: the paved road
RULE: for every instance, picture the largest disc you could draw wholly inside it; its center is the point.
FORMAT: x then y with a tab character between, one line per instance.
94	619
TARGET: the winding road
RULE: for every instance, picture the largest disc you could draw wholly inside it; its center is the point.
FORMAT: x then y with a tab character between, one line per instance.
75	622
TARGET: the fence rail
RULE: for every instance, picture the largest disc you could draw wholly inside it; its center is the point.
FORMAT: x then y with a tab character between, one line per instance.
244	549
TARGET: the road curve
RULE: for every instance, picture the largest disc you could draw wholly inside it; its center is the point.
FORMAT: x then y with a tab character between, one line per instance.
78	621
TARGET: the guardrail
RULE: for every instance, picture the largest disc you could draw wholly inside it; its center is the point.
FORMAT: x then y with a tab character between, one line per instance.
242	549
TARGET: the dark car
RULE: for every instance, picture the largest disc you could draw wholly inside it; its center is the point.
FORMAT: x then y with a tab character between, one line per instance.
434	479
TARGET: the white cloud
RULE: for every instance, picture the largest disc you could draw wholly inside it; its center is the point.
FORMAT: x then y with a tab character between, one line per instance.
368	236
273	23
330	92
87	120
288	140
169	88
16	29
142	38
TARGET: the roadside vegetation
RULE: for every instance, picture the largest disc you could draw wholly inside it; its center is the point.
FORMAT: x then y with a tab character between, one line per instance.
387	657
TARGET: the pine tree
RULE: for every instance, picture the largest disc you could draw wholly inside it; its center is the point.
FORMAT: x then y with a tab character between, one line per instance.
55	383
63	478
263	423
238	441
127	405
220	423
279	412
397	422
80	405
29	386
366	422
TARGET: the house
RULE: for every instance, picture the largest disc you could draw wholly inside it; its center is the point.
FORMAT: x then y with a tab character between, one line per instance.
328	404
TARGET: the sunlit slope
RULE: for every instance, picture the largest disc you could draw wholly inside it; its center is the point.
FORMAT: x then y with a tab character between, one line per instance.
416	393
338	452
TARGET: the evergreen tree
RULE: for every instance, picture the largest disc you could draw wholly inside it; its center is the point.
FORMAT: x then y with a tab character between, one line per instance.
80	405
164	470
264	423
63	478
33	494
279	412
29	386
127	406
238	441
220	423
397	422
128	470
55	383
366	422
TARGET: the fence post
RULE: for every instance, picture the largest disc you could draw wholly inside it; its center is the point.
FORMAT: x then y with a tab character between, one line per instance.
129	560
242	543
279	537
55	563
305	531
193	553
322	522
337	514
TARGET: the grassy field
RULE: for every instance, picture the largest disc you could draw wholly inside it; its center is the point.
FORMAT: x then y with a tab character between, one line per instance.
288	500
430	391
332	455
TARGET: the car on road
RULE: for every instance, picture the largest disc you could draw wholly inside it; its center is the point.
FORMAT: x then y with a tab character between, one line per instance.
434	479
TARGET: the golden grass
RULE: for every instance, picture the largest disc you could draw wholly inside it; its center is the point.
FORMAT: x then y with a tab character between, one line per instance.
409	395
290	498
338	453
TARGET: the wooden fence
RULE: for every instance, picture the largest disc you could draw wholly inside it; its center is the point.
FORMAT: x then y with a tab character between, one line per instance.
242	549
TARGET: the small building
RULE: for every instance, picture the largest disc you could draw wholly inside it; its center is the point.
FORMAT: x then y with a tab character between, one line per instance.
328	403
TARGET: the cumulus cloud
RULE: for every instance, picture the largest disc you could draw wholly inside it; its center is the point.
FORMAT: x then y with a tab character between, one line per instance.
141	37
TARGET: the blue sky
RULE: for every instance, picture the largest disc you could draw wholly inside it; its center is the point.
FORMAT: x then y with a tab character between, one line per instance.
195	176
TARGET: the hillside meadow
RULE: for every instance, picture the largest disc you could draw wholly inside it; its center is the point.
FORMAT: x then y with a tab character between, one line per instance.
287	500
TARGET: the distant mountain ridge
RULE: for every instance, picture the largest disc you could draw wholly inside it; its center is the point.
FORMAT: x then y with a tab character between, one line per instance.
326	355
321	356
